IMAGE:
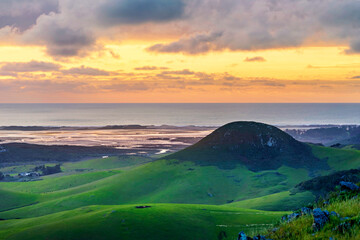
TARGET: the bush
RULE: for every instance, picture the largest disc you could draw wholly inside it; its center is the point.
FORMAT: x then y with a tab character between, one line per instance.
47	170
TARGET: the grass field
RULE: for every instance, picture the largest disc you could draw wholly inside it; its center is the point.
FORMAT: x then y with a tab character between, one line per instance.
160	222
58	182
102	192
169	181
339	159
10	199
343	226
159	182
280	201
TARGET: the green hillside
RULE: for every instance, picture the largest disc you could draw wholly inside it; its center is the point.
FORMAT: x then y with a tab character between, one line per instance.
161	221
10	199
279	201
58	182
165	181
171	181
100	192
343	225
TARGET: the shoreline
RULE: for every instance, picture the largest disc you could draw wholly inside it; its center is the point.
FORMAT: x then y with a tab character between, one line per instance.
138	126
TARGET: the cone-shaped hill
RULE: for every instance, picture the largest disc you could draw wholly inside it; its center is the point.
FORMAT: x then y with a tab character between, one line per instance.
258	146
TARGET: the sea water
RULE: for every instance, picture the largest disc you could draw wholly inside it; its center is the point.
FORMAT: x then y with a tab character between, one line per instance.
199	114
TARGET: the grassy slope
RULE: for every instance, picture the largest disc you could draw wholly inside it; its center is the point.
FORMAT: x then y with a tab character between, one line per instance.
57	182
278	201
173	182
161	182
302	227
156	182
339	159
85	166
161	221
10	199
107	163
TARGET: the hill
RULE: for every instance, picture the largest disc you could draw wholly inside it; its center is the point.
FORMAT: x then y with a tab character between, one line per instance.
257	146
127	222
95	196
172	181
10	200
320	186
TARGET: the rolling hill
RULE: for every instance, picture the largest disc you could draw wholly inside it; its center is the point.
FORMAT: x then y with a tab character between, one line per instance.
158	222
241	165
257	146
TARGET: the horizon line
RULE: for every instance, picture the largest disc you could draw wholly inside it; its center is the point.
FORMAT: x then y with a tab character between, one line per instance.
179	102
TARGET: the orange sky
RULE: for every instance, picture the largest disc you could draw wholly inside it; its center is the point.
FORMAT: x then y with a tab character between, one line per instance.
180	59
312	74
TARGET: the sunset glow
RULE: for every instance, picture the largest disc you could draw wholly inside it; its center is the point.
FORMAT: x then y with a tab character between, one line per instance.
179	57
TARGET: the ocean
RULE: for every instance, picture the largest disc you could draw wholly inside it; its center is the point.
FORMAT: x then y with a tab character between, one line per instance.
199	114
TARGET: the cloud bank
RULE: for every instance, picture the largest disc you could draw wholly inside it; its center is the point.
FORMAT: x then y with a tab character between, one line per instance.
73	28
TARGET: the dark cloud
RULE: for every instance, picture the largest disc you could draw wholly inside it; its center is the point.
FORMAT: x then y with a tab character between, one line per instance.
60	38
88	71
150	68
355	77
116	12
354	47
22	14
32	66
255	59
255	25
199	43
343	14
66	42
343	19
72	28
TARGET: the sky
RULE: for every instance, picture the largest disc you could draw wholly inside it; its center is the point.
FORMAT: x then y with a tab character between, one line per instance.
114	51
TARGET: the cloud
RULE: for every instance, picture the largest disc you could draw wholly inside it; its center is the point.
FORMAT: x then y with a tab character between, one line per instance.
261	24
68	82
41	86
255	59
114	55
181	72
199	43
61	39
269	83
150	68
127	87
343	19
22	14
86	71
70	28
334	66
32	66
29	69
355	77
116	12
